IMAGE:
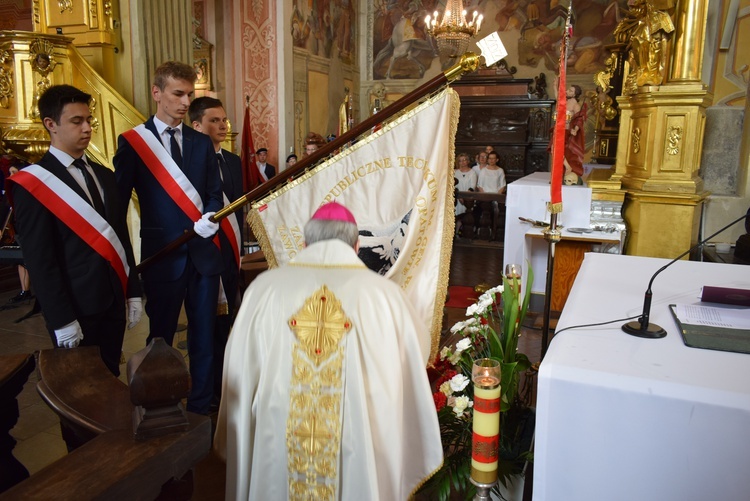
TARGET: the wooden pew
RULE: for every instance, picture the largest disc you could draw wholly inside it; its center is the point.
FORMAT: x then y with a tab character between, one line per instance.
14	372
110	464
484	218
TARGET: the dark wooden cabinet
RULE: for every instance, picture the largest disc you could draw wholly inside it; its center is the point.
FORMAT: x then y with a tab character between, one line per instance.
497	111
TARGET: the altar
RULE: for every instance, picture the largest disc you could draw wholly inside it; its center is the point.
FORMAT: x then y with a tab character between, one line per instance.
622	418
524	243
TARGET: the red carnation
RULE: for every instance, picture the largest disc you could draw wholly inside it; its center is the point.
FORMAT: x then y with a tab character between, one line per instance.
447	376
440	400
483	321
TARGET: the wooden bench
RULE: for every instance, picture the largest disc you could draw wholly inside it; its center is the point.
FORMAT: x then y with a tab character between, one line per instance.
86	396
484	218
110	463
14	372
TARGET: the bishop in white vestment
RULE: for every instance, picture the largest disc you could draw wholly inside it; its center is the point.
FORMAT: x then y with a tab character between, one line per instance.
325	393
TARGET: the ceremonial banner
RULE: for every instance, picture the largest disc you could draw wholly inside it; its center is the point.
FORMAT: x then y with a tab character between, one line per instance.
558	136
398	183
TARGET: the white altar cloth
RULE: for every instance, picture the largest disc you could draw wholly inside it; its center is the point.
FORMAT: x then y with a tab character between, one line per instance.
624	418
527	197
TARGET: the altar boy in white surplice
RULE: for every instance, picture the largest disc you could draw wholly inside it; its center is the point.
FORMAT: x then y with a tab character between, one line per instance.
325	393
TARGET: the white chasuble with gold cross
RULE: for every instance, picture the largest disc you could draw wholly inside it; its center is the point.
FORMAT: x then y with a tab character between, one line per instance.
325	394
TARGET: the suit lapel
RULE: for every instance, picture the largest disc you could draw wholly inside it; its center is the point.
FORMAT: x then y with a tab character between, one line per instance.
150	126
105	191
187	146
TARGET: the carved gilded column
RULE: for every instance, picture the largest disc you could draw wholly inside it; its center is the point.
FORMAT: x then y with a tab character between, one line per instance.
663	114
690	34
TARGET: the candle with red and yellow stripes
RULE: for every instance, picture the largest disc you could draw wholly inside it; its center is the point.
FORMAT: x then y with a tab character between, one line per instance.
486	426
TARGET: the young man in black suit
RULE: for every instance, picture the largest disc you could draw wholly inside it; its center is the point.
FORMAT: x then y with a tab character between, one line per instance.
267	171
75	240
207	115
174	173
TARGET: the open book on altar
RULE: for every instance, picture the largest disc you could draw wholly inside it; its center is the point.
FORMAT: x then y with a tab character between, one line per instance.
713	328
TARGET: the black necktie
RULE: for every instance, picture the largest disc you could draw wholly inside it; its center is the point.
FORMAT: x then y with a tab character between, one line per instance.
96	198
176	153
226	178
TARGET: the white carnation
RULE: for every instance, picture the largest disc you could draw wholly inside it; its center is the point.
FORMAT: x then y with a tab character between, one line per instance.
463	344
460	404
471	310
446	389
457	327
445	352
459	382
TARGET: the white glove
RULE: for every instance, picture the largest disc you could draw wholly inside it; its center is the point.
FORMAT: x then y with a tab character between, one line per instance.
205	228
135	310
70	335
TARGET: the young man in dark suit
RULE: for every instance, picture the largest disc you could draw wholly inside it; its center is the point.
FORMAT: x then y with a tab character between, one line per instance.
207	115
267	171
174	173
76	246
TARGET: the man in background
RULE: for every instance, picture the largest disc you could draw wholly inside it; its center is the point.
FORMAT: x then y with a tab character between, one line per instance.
326	351
174	172
266	170
76	245
208	116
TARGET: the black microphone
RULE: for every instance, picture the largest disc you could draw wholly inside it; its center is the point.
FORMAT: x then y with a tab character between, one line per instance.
641	327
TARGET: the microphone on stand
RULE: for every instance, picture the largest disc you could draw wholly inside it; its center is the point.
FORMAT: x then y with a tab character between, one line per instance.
642	327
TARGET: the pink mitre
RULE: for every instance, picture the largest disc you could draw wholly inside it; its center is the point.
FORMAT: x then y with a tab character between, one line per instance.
333	211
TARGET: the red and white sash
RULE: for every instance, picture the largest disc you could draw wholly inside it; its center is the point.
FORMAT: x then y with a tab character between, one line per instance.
167	173
77	214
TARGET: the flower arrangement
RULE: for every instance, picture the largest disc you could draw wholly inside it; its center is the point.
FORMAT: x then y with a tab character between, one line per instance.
490	331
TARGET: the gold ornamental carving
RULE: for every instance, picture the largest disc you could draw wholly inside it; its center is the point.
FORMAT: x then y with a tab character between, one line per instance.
636	138
6	78
94	121
602	79
65	5
36	14
674	136
42	62
320	324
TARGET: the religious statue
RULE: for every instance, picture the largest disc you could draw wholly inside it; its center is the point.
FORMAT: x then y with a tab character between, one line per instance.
378	97
345	113
538	87
647	27
575	143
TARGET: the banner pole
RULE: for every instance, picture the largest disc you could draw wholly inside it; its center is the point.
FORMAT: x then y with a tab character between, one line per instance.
468	63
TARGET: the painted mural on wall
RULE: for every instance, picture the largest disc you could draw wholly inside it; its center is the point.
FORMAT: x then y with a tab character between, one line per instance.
530	29
325	28
401	46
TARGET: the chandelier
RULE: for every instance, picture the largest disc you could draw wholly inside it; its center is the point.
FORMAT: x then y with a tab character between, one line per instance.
455	30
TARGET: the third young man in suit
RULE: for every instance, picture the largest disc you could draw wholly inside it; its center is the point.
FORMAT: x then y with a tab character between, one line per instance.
174	173
207	115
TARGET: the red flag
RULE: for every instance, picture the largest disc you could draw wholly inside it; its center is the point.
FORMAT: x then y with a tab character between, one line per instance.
250	174
558	142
